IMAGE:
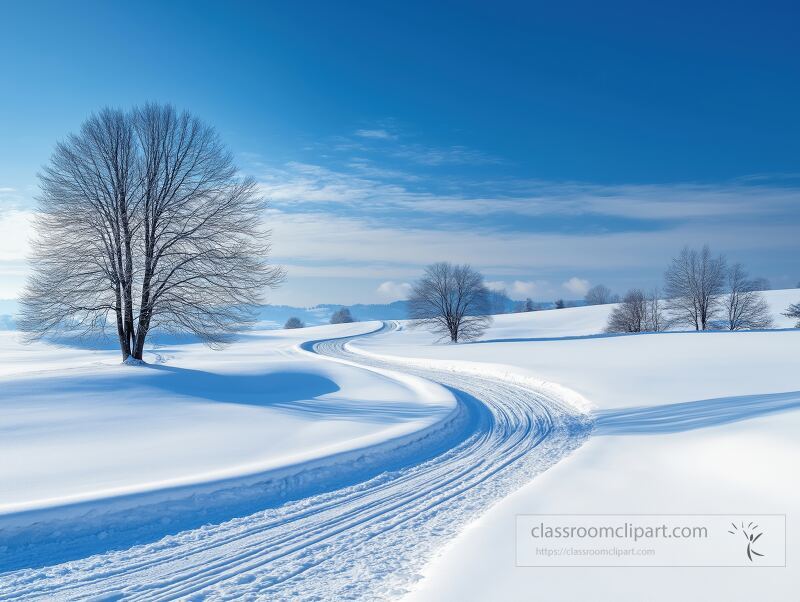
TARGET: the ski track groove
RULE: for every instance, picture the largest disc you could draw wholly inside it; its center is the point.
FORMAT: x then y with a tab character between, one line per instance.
366	541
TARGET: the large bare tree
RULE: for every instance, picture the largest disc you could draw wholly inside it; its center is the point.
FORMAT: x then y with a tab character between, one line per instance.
144	221
743	305
452	301
693	285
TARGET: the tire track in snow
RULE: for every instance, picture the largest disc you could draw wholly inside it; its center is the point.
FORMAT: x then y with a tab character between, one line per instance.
365	541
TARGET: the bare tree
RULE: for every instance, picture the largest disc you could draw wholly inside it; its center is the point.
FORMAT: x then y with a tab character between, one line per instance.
528	306
524	306
342	316
743	306
794	312
761	284
654	315
559	304
599	295
452	301
630	315
143	219
693	285
293	322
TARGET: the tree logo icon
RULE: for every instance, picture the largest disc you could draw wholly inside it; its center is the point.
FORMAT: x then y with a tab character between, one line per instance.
751	535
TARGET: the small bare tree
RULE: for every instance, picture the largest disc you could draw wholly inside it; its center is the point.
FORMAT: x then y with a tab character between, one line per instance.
654	318
693	285
342	316
292	323
743	306
794	312
599	295
143	219
630	315
452	301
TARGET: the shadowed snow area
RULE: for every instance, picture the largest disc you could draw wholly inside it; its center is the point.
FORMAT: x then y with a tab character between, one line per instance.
367	539
192	437
676	417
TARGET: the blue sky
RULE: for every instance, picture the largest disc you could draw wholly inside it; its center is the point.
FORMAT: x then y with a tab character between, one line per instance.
552	145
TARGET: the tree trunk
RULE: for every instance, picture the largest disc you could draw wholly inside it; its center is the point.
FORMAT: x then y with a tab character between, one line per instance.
124	343
145	314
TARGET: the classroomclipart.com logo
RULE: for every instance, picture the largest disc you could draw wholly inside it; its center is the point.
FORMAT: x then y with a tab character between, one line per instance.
654	540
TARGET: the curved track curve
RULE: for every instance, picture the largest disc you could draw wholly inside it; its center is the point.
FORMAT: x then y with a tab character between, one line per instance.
366	541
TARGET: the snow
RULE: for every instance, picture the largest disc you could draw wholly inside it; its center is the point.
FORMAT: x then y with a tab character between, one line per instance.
84	434
369	539
719	440
567	347
745	467
269	470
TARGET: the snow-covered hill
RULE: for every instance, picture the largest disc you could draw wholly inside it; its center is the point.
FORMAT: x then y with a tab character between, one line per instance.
102	456
687	423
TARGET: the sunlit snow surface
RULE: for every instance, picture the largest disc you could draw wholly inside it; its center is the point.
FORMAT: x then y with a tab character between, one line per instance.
339	469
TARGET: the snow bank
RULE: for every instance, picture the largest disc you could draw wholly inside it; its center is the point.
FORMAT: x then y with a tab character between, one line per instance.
567	347
503	372
95	448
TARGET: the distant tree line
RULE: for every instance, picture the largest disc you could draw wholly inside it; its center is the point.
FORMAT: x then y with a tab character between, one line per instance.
701	291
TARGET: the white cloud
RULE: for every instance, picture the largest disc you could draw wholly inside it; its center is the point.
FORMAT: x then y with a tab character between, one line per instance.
496	285
376	134
528	288
392	291
576	286
520	289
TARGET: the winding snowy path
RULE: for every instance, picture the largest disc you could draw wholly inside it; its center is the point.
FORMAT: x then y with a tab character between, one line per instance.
365	541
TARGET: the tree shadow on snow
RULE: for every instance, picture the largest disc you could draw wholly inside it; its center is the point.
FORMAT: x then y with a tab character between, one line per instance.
614	335
678	417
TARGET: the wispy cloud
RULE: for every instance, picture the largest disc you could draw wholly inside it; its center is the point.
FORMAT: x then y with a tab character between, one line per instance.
370	215
376	134
337	240
451	155
365	185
